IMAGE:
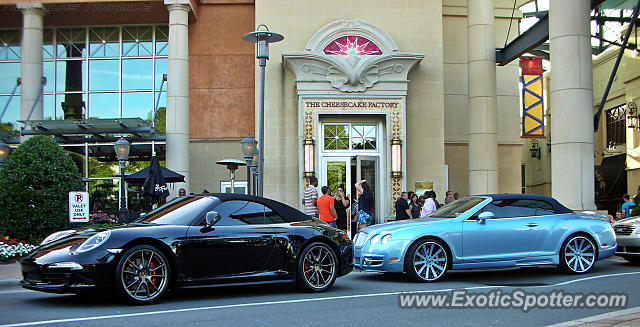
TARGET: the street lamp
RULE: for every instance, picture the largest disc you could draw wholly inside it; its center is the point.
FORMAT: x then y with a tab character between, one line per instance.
248	149
254	172
4	152
122	148
262	40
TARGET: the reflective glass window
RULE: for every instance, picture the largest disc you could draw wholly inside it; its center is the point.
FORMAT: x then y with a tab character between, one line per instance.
70	75
137	74
104	41
182	211
137	105
48	71
363	137
9	122
104	105
336	137
103	75
47	43
9	73
137	41
71	42
161	68
10	41
48	109
73	104
162	40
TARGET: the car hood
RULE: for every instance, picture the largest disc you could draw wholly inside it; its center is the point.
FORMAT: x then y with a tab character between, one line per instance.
630	221
403	224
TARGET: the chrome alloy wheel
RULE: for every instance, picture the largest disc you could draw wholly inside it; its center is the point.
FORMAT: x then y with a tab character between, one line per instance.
144	275
319	267
579	254
430	261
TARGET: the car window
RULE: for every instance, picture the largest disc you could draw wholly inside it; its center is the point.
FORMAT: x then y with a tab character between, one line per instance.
514	208
456	208
272	217
182	211
236	212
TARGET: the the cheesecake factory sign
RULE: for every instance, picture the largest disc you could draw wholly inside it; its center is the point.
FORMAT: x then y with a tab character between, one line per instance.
352	104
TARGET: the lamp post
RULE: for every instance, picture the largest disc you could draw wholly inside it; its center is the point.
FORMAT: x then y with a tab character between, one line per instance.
4	152
122	148
248	149
254	171
262	40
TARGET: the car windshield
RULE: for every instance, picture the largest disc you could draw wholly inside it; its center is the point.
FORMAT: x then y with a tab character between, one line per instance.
456	208
181	211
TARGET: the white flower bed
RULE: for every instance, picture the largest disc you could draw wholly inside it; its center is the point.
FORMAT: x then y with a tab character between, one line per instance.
11	251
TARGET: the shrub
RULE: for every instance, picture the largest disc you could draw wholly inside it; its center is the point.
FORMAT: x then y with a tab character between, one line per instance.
35	182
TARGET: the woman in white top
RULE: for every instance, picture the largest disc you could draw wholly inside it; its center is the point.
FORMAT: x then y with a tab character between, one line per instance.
429	204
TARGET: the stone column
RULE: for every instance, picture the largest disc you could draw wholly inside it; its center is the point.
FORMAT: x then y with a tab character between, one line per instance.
483	137
31	67
178	91
572	181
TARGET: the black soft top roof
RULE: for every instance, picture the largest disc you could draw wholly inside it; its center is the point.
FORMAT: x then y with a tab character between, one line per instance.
287	212
557	206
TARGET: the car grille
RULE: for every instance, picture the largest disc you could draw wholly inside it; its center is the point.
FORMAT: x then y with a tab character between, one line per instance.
628	249
55	277
624	230
360	238
373	260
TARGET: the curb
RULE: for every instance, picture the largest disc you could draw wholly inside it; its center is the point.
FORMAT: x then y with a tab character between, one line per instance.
597	318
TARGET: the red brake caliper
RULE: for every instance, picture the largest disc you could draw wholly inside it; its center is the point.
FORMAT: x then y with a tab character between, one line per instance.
155	272
306	268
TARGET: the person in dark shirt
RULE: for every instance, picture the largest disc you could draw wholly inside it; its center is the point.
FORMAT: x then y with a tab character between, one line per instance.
341	203
415	206
403	209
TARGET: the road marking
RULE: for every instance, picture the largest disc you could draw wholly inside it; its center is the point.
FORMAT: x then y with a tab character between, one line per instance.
240	305
597	318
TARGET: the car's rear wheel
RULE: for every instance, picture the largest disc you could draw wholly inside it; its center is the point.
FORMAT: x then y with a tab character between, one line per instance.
578	254
317	268
142	275
427	260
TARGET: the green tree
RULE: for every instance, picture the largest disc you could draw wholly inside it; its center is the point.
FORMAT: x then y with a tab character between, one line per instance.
34	185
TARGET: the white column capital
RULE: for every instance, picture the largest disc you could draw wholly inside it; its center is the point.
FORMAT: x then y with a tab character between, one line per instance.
178	5
31	8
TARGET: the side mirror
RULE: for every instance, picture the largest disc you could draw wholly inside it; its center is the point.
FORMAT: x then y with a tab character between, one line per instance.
212	217
484	216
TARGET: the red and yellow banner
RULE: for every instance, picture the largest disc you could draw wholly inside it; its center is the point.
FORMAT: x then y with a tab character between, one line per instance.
532	104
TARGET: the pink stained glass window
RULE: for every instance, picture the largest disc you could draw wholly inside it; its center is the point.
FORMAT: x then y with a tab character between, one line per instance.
352	45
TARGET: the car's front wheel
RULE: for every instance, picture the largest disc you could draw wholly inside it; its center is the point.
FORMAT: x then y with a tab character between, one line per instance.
427	260
578	254
317	268
142	275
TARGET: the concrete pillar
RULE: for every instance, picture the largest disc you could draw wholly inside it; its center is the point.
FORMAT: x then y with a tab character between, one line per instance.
31	67
178	91
572	181
483	137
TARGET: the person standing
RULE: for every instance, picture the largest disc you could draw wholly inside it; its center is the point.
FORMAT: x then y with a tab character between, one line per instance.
415	206
310	198
627	206
341	203
429	204
365	201
326	208
448	197
403	208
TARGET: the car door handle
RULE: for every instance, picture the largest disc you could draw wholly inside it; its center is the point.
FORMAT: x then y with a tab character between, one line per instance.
532	225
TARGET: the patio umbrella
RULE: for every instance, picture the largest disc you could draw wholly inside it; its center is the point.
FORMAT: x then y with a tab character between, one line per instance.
140	177
155	186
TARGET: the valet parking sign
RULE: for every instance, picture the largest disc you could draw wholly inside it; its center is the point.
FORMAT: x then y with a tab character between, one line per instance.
78	207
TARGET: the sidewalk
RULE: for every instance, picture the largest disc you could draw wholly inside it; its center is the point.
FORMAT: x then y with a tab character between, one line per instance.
623	318
10	275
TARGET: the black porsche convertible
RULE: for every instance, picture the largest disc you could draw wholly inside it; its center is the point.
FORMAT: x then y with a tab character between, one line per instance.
197	240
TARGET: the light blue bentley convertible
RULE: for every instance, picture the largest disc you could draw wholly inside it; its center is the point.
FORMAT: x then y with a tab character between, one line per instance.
488	231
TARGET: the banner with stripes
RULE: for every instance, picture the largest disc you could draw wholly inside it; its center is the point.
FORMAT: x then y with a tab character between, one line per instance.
532	104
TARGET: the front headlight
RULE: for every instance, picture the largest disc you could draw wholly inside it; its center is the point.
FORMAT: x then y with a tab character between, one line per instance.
382	238
375	239
637	230
57	236
385	239
93	242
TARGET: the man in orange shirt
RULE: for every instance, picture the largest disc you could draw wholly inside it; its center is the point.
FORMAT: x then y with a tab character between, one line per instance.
326	208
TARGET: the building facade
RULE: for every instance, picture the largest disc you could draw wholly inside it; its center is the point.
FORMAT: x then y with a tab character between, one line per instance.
377	90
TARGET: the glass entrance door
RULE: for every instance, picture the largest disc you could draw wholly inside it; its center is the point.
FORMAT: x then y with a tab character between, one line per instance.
366	167
337	171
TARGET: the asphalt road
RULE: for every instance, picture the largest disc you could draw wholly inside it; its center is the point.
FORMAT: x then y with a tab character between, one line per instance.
358	299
